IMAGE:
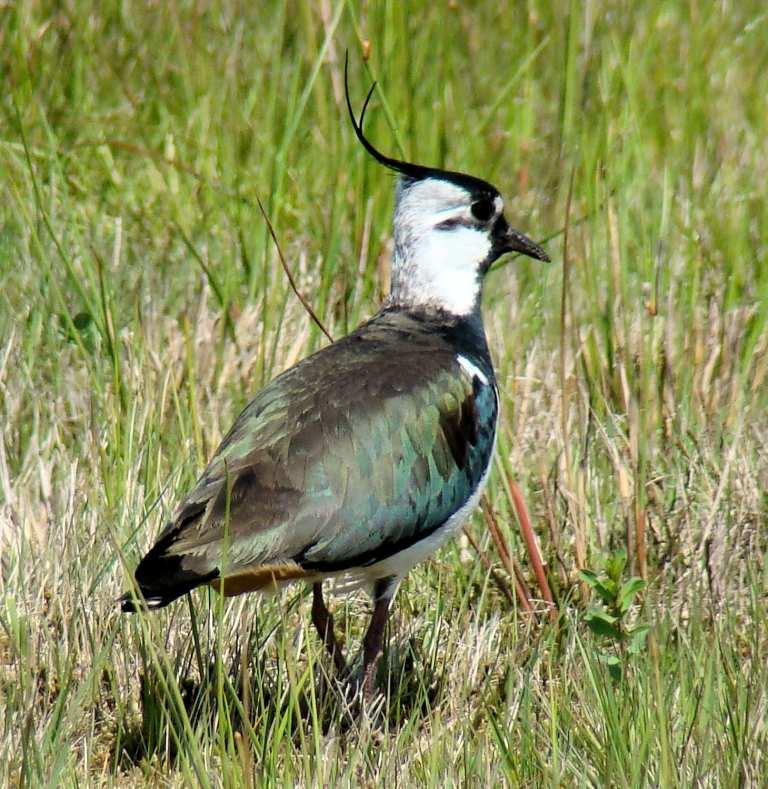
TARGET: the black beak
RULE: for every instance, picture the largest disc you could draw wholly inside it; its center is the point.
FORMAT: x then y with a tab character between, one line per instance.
506	239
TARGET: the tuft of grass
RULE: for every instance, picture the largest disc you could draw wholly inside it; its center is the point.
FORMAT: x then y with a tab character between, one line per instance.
143	303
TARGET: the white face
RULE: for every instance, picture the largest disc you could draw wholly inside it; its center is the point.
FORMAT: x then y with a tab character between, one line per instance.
440	247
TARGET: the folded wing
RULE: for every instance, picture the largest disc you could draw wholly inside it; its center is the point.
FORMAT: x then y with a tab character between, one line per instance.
347	458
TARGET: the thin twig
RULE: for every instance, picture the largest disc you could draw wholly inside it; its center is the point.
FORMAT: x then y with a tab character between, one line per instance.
288	274
531	544
511	566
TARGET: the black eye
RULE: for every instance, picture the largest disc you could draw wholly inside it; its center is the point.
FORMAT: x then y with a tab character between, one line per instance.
483	210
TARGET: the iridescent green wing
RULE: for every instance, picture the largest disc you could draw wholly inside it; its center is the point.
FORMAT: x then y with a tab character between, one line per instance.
350	456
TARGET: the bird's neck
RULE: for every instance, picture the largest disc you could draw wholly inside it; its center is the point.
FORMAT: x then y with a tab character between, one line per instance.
465	334
429	277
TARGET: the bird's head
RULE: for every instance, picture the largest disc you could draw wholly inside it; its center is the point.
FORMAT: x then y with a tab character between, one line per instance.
448	229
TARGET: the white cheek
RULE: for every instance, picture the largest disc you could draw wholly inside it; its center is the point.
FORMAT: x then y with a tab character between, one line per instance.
448	262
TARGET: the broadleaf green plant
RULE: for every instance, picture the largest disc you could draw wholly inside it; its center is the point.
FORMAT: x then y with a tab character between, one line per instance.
609	620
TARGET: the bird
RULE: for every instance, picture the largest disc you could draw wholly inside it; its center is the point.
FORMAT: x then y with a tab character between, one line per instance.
362	459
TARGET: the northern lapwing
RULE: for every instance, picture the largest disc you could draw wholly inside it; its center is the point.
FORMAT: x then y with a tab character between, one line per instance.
364	458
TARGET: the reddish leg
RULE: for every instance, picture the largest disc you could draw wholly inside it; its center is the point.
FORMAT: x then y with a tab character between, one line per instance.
374	636
323	621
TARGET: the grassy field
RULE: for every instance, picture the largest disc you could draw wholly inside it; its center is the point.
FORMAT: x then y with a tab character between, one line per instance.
142	302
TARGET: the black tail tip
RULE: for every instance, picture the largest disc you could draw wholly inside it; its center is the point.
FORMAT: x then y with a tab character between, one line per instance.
131	603
160	580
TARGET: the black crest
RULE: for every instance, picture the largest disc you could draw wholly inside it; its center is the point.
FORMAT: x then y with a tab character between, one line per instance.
411	172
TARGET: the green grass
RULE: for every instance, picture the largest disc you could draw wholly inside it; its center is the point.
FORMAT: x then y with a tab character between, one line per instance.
143	303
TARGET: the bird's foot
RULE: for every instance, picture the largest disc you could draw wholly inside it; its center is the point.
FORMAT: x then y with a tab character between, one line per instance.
360	694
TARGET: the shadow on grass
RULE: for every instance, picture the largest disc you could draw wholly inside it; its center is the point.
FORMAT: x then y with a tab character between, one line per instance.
262	701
